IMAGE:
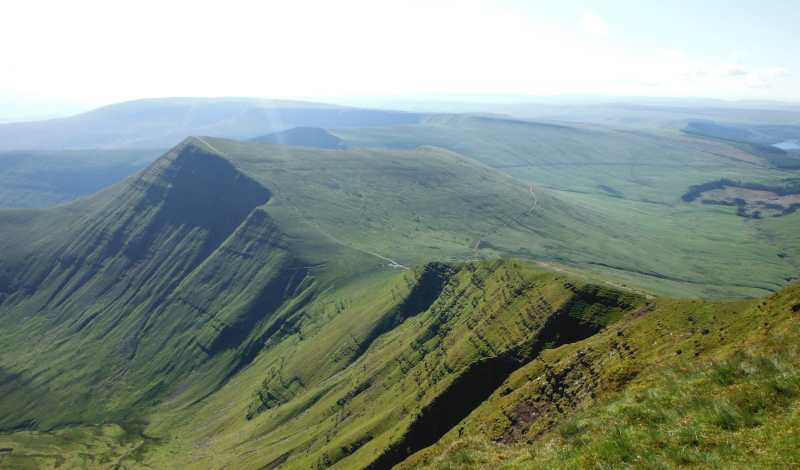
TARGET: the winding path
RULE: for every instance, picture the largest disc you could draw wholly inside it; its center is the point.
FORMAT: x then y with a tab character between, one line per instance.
475	255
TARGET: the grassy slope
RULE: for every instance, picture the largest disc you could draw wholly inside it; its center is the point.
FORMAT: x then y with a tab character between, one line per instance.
676	384
105	285
329	393
49	178
636	165
638	390
683	255
179	267
634	180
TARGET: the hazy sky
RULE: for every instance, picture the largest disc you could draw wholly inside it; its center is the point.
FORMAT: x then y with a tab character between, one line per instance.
112	51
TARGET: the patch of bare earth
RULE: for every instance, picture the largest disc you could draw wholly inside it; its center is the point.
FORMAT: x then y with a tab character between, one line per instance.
752	196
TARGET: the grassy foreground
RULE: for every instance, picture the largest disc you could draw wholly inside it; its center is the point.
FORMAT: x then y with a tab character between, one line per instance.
674	385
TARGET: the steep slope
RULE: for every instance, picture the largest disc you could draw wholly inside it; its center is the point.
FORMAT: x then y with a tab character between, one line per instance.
163	123
136	281
164	284
364	376
450	334
369	374
674	384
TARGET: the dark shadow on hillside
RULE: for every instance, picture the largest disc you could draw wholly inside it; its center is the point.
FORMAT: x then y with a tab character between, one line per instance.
204	191
427	288
479	380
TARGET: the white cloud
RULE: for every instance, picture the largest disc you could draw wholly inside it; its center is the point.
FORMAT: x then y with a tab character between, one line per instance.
738	55
754	81
777	72
730	69
672	53
639	81
593	24
700	69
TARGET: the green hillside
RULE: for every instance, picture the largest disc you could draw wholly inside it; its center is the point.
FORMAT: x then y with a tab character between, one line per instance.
245	305
303	137
675	384
631	164
243	237
677	249
43	178
634	181
364	381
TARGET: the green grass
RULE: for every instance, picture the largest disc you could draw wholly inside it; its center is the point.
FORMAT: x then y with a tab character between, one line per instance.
106	446
689	384
691	416
230	306
348	408
628	185
639	165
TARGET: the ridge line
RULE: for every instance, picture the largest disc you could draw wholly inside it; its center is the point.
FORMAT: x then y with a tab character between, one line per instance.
311	221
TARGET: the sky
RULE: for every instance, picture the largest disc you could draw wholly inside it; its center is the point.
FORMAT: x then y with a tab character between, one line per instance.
104	52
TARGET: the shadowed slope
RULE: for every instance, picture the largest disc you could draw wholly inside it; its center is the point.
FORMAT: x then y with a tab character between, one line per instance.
140	285
337	396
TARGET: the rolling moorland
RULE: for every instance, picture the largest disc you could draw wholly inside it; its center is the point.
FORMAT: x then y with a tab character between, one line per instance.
462	292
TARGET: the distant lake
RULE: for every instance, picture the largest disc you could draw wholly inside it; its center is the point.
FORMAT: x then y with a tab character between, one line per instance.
788	145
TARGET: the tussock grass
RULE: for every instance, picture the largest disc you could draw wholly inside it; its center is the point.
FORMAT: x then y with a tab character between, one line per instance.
689	417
